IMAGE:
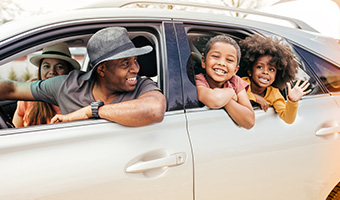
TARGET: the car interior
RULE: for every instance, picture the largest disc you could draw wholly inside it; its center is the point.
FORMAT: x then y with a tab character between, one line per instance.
198	39
148	68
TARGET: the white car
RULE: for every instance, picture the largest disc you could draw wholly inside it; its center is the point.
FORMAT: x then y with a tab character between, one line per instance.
195	153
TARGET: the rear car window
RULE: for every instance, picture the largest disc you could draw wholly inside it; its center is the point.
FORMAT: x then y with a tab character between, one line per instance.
329	74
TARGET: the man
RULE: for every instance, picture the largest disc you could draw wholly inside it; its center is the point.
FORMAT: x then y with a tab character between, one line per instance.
110	90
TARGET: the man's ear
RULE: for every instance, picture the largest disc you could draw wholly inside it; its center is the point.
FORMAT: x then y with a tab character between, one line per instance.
203	62
101	69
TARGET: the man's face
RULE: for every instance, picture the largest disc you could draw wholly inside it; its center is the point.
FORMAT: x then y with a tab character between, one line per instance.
121	74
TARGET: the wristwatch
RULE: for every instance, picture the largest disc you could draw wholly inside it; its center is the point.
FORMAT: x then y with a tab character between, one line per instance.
94	108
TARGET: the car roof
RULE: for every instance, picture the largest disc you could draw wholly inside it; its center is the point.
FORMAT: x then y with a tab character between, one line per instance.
302	35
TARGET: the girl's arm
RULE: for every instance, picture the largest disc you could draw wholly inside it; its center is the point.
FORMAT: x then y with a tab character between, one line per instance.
287	110
263	103
295	93
215	98
241	111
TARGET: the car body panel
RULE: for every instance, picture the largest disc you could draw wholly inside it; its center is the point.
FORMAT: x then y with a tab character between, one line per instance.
244	163
83	163
142	15
195	152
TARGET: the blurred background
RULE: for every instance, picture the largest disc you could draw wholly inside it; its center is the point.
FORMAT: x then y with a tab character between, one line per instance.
323	15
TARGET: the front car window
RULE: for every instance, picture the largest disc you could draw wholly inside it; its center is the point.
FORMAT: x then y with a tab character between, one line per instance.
21	69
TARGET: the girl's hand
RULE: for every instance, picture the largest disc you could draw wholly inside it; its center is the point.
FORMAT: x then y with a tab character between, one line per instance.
295	93
263	103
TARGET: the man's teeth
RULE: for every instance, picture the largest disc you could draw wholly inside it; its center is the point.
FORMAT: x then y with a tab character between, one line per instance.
131	79
218	71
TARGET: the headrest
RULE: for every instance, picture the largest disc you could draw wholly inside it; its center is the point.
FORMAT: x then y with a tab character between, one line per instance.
147	62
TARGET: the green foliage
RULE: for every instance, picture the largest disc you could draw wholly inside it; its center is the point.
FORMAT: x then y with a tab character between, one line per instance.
12	75
27	75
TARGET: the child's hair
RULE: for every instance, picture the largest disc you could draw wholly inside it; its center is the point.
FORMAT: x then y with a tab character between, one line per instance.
282	57
222	38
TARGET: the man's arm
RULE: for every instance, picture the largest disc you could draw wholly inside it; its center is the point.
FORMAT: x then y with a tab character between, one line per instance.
15	90
146	109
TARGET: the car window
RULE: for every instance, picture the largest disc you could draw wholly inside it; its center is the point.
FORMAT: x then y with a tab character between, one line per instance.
198	38
21	69
303	74
329	74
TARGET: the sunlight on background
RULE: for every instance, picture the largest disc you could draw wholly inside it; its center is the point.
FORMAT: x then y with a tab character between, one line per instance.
323	15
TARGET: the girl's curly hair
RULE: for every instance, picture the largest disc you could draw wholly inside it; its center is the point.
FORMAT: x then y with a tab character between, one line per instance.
283	58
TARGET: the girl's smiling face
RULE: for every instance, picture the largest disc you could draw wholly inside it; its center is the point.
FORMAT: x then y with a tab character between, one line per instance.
220	64
263	74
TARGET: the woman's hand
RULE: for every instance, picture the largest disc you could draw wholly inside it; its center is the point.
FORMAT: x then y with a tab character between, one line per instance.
295	93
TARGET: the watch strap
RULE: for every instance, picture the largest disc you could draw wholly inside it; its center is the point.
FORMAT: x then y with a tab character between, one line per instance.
95	107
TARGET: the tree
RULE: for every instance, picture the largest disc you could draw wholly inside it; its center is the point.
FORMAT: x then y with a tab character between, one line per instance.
27	75
245	4
9	10
12	75
251	4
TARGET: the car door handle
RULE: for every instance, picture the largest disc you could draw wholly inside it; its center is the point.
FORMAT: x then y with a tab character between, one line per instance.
328	131
170	161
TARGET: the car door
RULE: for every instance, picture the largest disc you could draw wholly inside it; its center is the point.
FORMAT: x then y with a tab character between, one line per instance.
97	159
273	160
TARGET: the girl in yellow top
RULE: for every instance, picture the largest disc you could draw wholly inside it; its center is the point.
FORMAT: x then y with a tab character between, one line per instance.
269	65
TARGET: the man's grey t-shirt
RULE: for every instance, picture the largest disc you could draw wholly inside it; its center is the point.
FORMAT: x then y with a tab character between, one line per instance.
70	92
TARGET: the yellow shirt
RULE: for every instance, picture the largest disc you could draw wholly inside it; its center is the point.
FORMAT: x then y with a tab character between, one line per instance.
286	110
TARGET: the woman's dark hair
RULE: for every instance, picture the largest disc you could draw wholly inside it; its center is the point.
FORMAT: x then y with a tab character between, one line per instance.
283	58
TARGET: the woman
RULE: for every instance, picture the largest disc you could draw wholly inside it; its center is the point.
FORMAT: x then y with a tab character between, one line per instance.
55	60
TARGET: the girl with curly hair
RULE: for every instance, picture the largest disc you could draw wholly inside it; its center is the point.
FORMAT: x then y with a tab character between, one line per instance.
269	65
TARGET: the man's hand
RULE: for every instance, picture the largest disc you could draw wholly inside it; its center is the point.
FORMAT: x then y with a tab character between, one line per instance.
295	93
83	113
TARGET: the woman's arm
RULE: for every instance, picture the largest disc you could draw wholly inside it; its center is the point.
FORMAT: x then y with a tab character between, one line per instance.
17	120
